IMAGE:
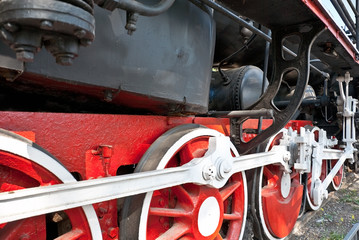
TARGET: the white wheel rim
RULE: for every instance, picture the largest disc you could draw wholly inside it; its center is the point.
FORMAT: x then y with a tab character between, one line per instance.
265	229
25	149
169	154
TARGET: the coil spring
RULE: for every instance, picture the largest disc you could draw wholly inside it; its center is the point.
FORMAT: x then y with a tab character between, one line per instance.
86	5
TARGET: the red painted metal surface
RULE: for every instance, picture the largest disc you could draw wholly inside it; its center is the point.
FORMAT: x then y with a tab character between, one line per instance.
75	139
280	213
174	212
19	173
93	146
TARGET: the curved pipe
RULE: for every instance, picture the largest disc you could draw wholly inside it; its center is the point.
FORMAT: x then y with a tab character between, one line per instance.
136	7
146	10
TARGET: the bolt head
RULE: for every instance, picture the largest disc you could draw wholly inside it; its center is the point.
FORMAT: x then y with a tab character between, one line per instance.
24	237
108	96
25	56
286	157
64	60
112	232
80	33
11	27
46	25
209	172
227	166
85	42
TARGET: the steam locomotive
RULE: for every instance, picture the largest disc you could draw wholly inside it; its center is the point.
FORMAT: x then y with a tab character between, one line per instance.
164	119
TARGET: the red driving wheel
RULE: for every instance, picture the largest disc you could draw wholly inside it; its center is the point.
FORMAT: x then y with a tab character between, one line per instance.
279	198
187	211
19	172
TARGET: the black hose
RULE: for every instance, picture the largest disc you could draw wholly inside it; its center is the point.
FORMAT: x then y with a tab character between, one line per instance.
225	78
265	72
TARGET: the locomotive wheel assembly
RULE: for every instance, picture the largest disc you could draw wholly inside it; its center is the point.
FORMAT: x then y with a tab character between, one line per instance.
188	211
24	165
278	198
311	205
324	171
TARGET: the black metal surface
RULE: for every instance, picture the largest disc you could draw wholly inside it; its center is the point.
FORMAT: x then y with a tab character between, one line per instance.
238	19
60	25
165	66
242	89
274	13
281	66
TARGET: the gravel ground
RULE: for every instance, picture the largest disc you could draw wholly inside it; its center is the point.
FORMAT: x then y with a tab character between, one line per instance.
335	218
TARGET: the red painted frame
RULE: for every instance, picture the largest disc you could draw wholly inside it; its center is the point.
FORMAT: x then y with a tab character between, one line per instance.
97	145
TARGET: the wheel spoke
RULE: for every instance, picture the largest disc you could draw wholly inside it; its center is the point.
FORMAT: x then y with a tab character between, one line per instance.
6	187
294	175
183	195
268	173
193	149
168	212
182	212
232	216
175	232
233	232
72	235
19	172
218	237
229	189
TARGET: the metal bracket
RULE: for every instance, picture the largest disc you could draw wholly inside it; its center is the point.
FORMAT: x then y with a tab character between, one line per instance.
10	68
300	63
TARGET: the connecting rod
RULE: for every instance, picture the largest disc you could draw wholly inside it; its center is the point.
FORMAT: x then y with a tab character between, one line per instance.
214	169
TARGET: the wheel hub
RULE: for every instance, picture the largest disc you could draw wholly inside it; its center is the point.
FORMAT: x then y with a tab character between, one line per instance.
208	216
285	185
